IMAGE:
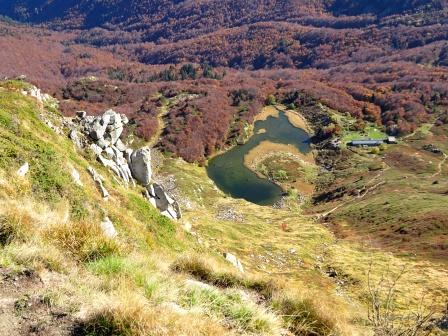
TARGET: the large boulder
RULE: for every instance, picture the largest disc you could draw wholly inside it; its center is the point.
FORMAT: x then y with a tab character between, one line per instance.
140	165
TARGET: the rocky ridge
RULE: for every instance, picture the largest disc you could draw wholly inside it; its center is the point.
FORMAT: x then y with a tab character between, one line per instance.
101	135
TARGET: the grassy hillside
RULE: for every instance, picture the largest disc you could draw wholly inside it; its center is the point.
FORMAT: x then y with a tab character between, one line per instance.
60	275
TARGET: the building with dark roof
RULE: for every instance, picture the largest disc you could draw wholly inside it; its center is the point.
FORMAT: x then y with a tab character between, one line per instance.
365	143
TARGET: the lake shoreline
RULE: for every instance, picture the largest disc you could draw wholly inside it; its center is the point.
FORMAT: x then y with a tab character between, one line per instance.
273	132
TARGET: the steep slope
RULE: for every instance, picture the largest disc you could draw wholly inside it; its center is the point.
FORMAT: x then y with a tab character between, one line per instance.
180	16
69	277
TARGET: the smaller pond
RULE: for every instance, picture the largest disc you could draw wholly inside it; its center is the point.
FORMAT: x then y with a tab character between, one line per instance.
234	178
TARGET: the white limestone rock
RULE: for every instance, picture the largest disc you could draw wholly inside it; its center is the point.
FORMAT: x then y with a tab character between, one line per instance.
97	150
120	145
23	170
108	228
76	177
234	261
99	181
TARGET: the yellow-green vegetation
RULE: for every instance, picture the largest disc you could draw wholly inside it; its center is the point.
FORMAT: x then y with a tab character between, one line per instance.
289	171
302	253
155	278
352	129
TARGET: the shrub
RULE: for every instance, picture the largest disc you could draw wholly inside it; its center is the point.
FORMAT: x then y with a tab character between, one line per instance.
384	315
271	100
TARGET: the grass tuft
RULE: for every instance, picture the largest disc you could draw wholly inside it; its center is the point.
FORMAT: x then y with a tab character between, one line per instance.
108	265
302	318
83	240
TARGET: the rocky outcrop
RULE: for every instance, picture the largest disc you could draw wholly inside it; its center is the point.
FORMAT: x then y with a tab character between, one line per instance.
101	135
99	181
157	196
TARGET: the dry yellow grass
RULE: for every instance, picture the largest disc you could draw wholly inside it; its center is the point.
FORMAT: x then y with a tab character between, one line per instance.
294	117
129	285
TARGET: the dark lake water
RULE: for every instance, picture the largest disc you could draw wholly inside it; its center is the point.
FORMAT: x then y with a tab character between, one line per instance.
234	178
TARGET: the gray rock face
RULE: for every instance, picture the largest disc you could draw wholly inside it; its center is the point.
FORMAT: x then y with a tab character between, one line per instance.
74	136
141	165
162	201
102	135
97	129
115	127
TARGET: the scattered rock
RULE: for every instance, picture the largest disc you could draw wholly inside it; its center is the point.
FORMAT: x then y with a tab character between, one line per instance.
229	214
76	177
187	226
99	181
23	170
198	284
108	228
234	261
432	148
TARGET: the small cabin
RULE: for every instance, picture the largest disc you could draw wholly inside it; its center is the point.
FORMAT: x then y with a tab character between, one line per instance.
372	142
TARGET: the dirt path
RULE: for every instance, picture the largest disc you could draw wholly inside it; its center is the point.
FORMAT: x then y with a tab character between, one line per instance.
358	197
25	310
440	166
